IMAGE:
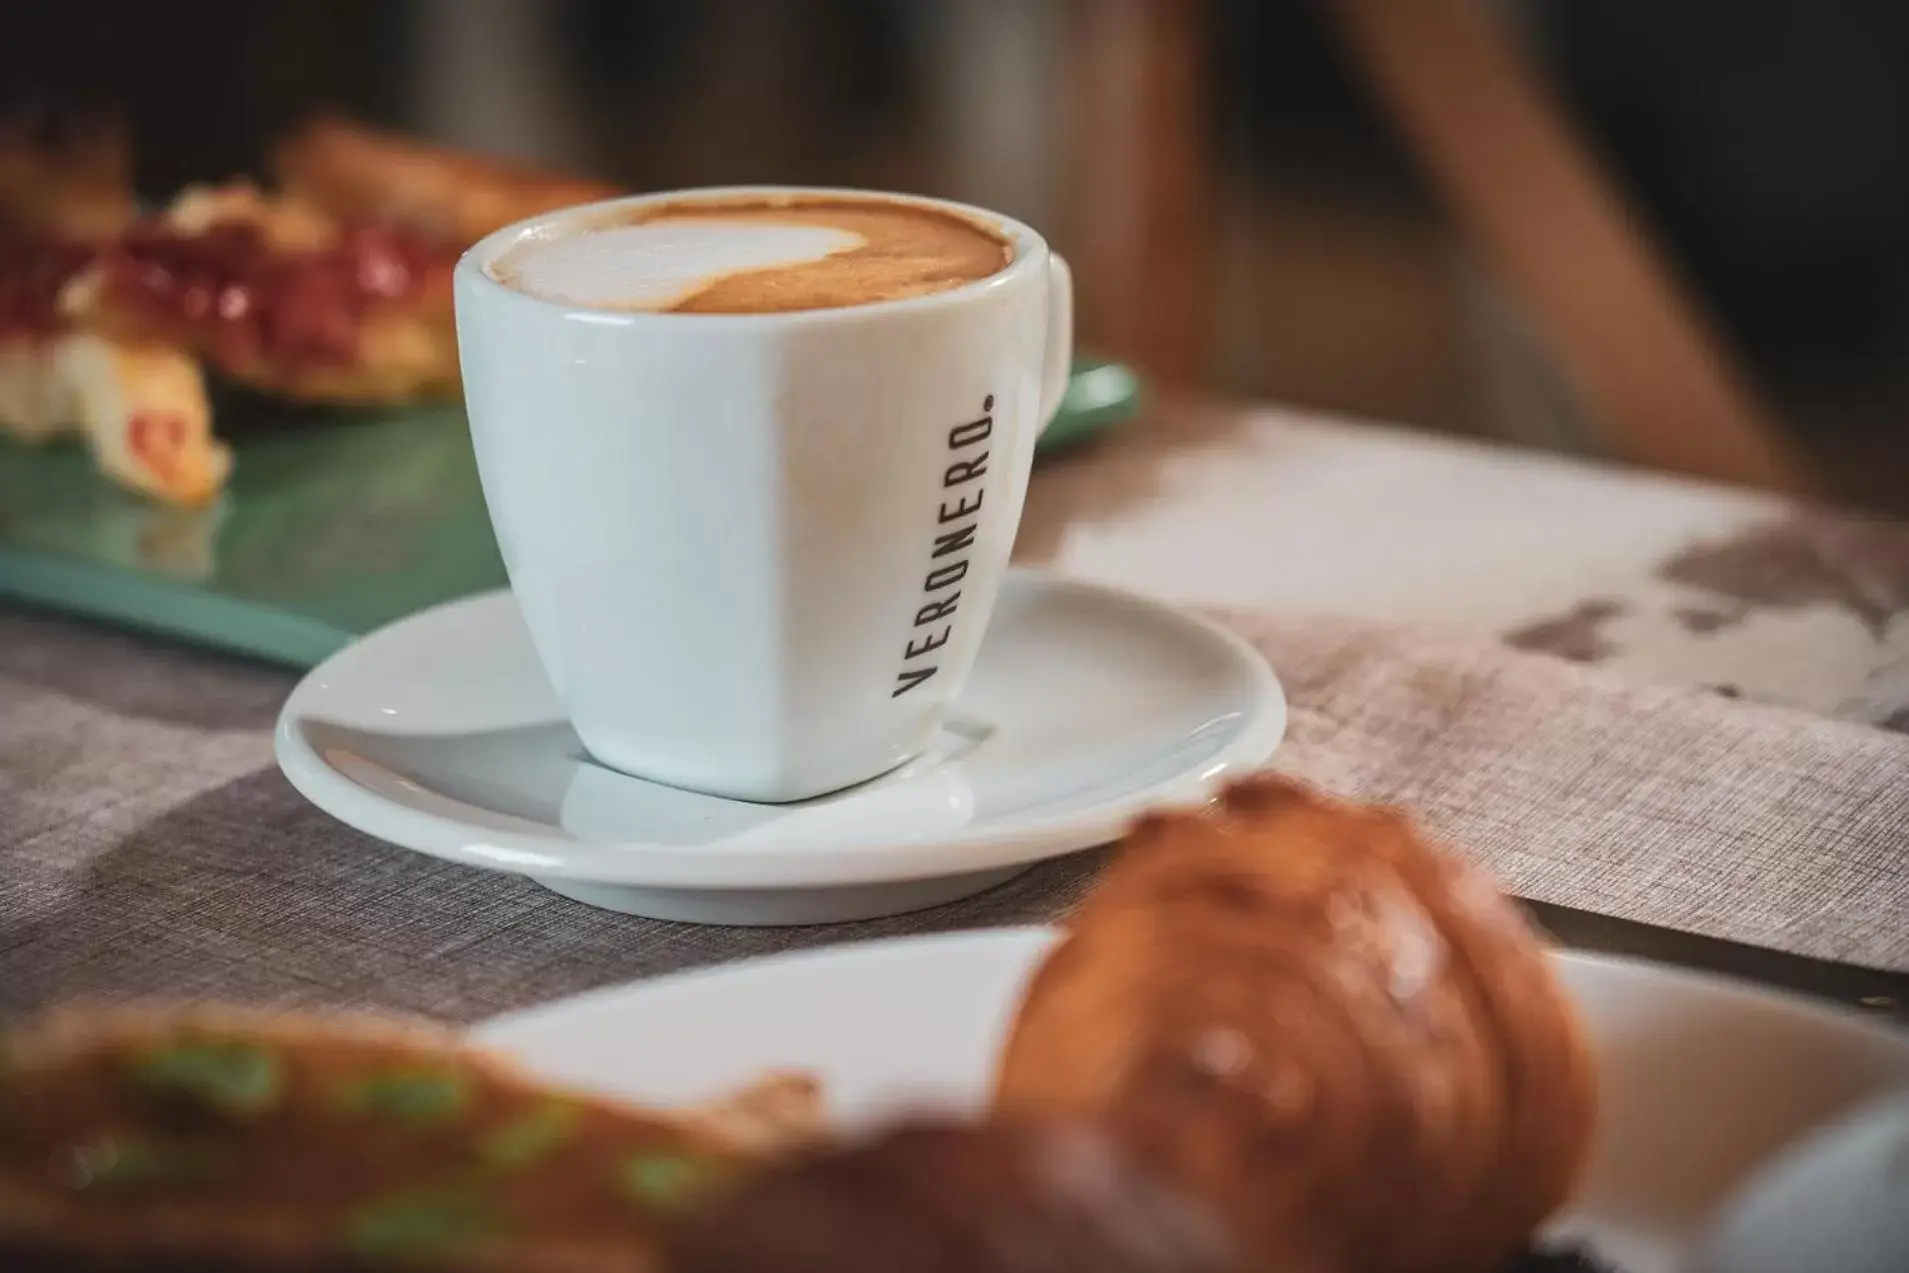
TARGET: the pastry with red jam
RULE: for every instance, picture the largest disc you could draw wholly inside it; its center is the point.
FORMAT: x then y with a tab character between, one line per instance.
137	398
335	290
277	295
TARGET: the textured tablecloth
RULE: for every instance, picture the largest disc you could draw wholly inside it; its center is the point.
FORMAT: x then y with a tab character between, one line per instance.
148	845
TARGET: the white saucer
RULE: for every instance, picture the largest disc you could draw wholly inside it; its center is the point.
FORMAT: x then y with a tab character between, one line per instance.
1703	1082
440	733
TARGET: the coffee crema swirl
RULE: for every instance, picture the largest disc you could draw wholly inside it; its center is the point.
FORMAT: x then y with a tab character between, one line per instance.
756	255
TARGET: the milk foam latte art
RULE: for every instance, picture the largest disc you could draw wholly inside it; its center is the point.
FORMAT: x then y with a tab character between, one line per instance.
755	459
761	255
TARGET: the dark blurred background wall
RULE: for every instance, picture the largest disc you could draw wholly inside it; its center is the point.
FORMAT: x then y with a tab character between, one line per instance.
1766	143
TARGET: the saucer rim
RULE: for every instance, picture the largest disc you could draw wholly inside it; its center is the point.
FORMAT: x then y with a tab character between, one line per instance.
640	864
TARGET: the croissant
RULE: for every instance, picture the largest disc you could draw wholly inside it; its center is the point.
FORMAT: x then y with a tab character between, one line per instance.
209	1138
1307	1013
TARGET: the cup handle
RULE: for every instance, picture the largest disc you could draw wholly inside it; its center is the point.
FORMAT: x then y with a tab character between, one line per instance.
1058	369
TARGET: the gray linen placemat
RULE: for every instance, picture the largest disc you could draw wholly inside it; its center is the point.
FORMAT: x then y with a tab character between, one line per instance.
149	846
1669	806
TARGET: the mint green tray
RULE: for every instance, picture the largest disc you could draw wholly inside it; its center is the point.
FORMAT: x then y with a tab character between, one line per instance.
334	523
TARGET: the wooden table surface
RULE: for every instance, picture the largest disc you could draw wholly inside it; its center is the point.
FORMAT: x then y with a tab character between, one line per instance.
1666	580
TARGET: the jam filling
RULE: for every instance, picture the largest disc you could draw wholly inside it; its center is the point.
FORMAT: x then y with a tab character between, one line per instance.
33	271
229	291
159	438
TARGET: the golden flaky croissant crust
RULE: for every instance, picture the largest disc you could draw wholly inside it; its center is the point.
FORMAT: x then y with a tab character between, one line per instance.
1313	1015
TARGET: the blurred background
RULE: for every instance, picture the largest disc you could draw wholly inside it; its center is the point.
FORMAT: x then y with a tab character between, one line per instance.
1672	232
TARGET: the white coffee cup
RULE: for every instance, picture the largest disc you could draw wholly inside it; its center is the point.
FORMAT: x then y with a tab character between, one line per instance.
757	552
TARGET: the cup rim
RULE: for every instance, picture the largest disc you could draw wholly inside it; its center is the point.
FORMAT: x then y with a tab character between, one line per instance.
473	266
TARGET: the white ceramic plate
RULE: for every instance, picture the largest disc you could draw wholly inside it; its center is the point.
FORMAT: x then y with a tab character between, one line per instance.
1702	1079
440	733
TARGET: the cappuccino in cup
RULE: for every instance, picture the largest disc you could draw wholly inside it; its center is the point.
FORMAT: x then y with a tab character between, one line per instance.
754	459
